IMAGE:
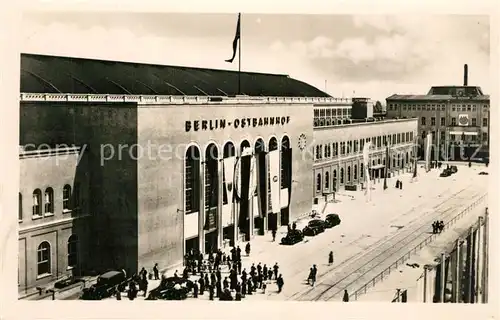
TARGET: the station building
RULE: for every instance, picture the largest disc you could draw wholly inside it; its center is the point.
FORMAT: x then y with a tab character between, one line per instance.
126	164
458	117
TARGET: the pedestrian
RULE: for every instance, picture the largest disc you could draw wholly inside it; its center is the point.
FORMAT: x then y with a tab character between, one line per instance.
194	267
247	249
470	164
145	285
270	275
330	258
207	280
280	283
310	276
273	232
218	289
260	279
143	273
176	275
211	292
249	286
252	269
201	281
238	253
276	269
218	274
259	268
401	185
244	274
244	286
264	272
238	265
195	289
264	287
118	293
397	184
156	272
346	296
434	227
314	274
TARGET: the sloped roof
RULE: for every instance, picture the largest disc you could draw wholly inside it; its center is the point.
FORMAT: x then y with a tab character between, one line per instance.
53	74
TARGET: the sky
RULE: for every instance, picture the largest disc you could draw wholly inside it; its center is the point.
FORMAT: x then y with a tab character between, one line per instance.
371	56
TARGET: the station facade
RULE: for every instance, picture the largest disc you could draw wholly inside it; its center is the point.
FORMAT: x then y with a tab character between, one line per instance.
123	173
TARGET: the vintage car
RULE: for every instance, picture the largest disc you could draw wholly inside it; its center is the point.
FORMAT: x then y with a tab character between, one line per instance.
105	286
171	289
445	173
292	237
332	220
483	173
64	283
453	169
314	227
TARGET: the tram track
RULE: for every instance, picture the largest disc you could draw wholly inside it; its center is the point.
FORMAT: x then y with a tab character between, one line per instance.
385	248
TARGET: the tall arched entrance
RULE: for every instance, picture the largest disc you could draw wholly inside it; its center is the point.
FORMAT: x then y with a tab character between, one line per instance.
286	180
260	192
228	195
272	165
192	193
211	213
242	188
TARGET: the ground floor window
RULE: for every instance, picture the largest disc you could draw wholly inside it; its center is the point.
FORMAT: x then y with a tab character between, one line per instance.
72	251
43	258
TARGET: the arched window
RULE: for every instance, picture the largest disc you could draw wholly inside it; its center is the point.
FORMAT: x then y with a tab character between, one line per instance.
355	172
37	202
348	174
286	158
192	180
341	175
318	182
378	161
327	180
73	251
49	200
43	258
66	197
20	213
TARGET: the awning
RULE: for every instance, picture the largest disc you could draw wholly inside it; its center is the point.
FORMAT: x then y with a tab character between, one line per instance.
466	133
378	166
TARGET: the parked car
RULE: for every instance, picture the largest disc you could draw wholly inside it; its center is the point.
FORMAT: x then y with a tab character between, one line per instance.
332	220
483	173
445	173
171	289
67	282
105	286
314	227
292	237
453	169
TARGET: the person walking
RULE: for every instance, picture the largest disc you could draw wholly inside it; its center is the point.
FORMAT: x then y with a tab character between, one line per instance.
280	283
156	272
310	276
201	281
345	298
247	249
314	273
401	185
273	232
195	289
211	292
264	272
330	258
276	269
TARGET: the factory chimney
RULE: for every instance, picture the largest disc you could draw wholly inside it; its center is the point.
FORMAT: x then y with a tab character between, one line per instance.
466	75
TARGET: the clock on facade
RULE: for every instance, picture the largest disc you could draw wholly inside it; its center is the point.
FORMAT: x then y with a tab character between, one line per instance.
302	141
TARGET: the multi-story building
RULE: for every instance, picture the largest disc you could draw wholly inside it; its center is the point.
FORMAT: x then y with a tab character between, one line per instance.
130	164
458	117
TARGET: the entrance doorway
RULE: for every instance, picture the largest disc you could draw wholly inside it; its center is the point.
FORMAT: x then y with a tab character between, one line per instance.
272	221
285	216
192	244
258	225
211	241
228	234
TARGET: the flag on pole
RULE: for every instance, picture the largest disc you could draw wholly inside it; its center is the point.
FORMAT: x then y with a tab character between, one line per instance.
387	160
236	39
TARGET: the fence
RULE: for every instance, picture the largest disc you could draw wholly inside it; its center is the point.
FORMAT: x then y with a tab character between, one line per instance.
414	250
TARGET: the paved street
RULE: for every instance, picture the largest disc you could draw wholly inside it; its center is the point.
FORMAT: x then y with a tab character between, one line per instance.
372	234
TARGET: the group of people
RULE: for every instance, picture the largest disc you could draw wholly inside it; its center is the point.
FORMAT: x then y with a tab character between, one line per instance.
399	184
313	272
239	281
437	227
137	283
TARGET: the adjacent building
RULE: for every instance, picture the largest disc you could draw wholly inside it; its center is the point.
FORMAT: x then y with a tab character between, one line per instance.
458	117
125	164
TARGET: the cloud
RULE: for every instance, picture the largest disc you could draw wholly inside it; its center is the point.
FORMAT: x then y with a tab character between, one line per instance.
382	54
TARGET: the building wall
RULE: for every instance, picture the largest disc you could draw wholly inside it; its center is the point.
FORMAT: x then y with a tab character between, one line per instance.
99	129
53	169
161	185
333	164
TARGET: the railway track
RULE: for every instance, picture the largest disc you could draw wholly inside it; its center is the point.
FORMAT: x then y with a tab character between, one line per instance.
359	265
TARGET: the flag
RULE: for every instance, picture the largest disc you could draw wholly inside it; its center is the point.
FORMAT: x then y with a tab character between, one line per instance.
387	160
236	39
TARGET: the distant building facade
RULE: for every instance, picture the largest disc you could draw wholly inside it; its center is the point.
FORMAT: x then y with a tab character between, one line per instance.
458	117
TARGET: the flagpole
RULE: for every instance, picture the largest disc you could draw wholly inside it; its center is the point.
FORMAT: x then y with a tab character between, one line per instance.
239	60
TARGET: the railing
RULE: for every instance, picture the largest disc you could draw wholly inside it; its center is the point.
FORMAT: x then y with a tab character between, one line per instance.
161	99
380	277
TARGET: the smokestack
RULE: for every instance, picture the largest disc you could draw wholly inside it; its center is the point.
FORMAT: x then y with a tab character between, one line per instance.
466	75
